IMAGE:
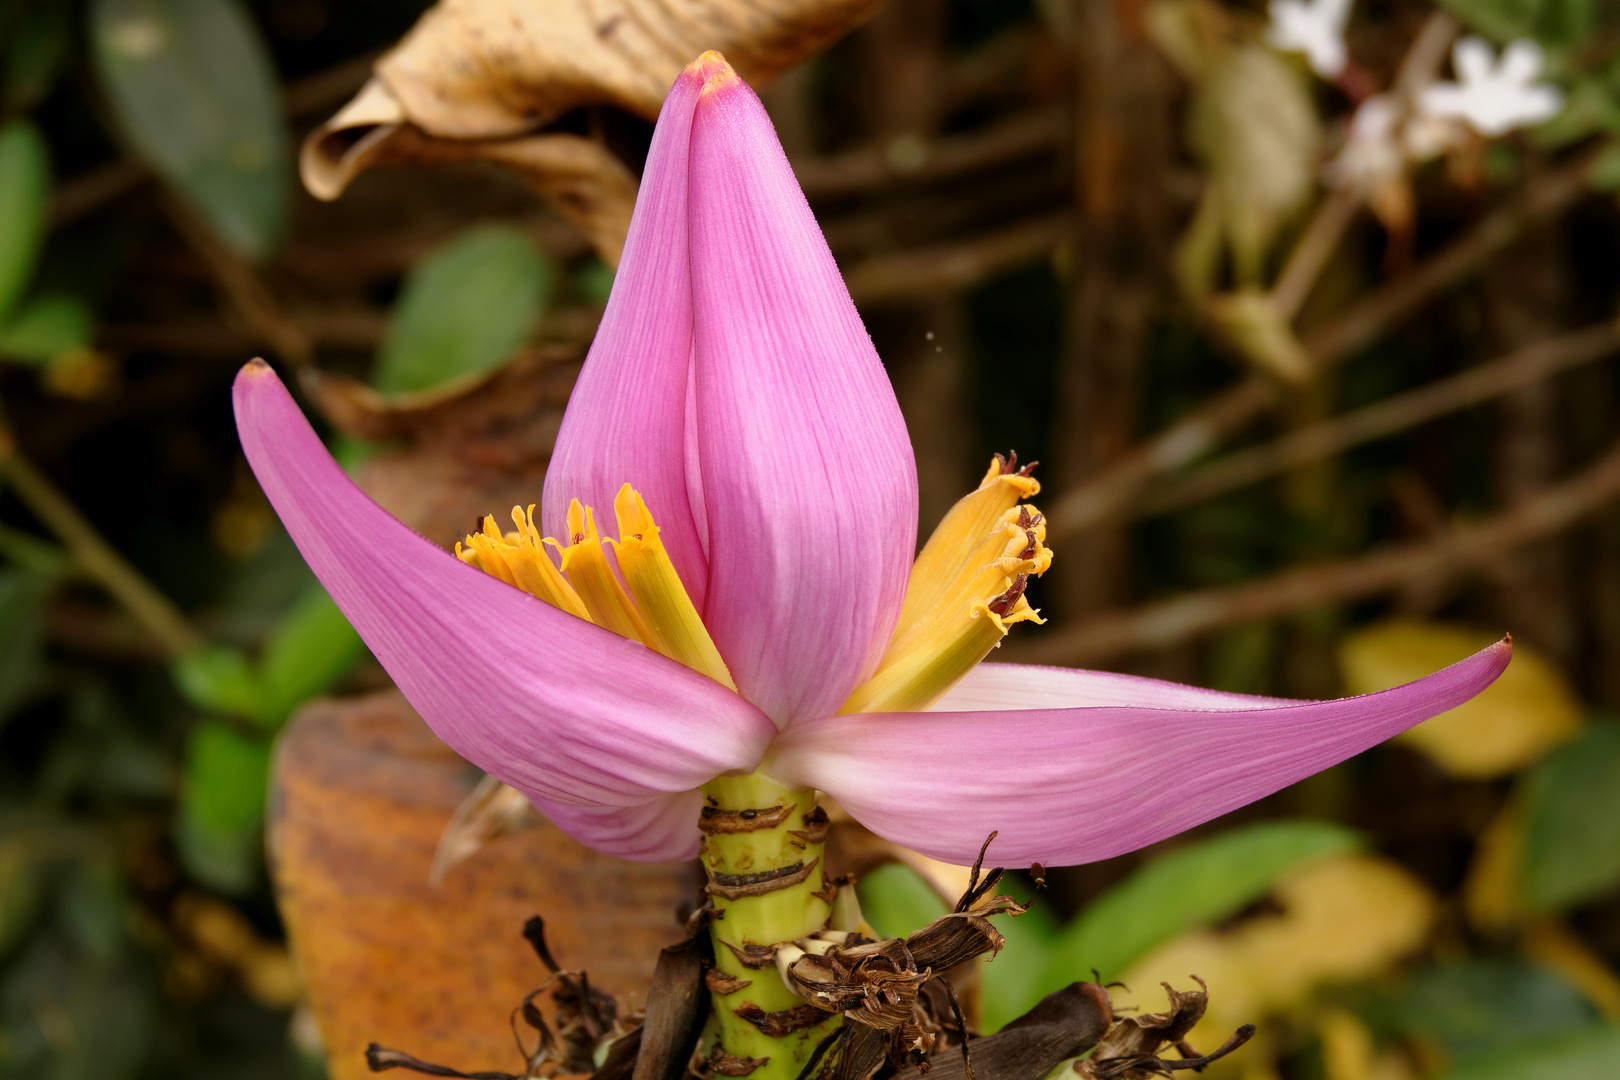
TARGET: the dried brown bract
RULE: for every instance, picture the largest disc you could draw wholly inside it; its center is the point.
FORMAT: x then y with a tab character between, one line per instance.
1131	1048
894	987
585	1019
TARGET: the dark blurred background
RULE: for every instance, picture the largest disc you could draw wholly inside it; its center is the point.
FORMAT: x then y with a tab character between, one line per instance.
1300	435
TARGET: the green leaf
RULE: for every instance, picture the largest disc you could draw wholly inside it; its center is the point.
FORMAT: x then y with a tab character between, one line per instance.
33	554
46	328
219	678
226	776
897	901
594	281
93	907
1572	821
24	190
1013	982
222	806
193	90
1604	175
1554	22
313	647
1477	1008
38	54
1577	1055
21	894
464	310
22	636
1190	887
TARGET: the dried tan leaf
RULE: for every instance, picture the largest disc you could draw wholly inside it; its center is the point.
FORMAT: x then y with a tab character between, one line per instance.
492	811
581	178
362	792
481	69
1525	714
477	448
480	79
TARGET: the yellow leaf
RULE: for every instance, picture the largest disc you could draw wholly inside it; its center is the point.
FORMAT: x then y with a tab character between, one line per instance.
1526	713
1491	892
1341	919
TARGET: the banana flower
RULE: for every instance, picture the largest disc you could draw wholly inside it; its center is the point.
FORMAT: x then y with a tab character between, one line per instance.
762	627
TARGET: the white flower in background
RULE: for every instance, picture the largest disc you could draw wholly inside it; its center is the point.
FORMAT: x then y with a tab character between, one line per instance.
1383	138
1492	96
1315	28
1371	149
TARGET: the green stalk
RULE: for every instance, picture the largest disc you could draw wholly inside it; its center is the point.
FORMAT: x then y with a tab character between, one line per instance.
754	826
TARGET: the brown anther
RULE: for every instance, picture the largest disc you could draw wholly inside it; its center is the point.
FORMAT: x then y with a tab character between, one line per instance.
1009	465
1003	605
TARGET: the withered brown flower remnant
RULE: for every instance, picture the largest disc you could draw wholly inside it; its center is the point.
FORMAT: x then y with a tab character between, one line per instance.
1131	1049
482	79
896	993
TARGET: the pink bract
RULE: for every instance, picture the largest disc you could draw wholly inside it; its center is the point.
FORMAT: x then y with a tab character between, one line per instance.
733	384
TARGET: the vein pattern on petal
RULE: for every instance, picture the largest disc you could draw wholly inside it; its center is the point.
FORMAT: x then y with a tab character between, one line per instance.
1067	786
559	708
807	471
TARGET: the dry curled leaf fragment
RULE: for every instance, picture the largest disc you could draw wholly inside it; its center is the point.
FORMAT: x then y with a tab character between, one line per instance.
485	69
479	79
361	794
1336	920
1132	1047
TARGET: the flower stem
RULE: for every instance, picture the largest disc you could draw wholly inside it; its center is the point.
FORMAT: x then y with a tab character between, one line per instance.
762	850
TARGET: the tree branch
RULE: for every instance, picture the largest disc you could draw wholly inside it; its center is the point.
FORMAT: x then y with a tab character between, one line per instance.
1504	375
1113	634
97	558
926	272
1230	410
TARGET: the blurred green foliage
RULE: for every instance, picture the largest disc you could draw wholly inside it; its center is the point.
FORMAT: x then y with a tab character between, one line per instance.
1589	1052
464	310
24	189
195	93
1572	821
1474	1009
897	901
127	786
1194	886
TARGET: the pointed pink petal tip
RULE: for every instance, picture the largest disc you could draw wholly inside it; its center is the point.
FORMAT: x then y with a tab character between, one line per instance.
808	479
559	708
1063	786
